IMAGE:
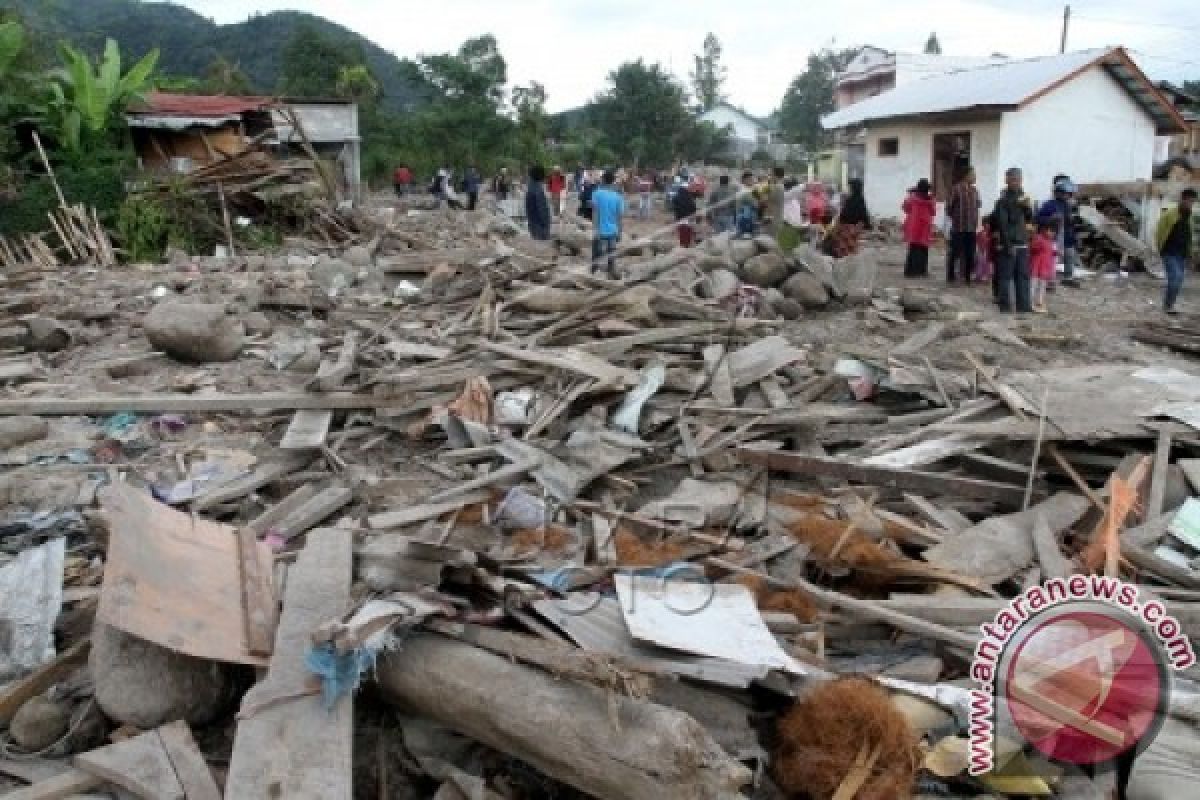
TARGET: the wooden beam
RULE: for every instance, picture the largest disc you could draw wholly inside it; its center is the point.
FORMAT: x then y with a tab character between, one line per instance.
68	784
1158	476
258	596
188	404
909	480
188	762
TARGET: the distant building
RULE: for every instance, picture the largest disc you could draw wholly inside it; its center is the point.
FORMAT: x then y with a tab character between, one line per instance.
1184	145
181	132
748	134
1092	115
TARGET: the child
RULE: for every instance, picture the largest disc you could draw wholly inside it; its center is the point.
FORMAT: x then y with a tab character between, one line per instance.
984	251
919	210
1041	264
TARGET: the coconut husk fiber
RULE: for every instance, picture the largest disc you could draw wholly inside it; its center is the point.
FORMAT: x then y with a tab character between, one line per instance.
792	601
819	739
837	543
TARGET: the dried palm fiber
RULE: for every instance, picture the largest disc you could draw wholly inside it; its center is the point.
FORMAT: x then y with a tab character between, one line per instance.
820	738
793	601
839	543
554	538
648	551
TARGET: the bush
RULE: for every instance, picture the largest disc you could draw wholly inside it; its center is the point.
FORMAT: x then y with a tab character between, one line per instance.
143	226
99	186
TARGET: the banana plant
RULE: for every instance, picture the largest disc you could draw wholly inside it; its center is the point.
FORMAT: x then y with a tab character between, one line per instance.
84	99
12	40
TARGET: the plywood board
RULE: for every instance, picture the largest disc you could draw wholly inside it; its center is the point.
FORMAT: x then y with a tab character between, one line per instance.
173	579
298	749
307	430
194	775
140	765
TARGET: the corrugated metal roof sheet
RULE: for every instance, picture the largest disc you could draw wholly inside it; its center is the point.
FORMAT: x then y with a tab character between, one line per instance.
997	85
165	104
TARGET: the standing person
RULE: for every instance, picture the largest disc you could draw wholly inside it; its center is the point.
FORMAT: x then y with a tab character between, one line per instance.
919	210
1059	211
746	212
645	202
556	185
776	194
815	206
851	221
578	178
402	179
585	196
608	208
1041	264
537	207
1174	239
720	206
1011	220
963	210
684	207
502	188
440	186
471	185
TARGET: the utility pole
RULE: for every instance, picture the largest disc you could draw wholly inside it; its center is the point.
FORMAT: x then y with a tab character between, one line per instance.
1062	48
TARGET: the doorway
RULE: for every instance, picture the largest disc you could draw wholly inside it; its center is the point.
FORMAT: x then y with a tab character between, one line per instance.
951	157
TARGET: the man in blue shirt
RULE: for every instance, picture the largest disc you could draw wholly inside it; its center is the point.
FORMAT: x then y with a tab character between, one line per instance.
608	207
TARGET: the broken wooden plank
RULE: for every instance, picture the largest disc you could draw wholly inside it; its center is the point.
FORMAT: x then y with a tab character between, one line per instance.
238	488
59	787
258	598
720	380
189	403
1048	551
1158	475
307	430
314	511
289	745
331	375
924	482
273	515
139	765
511	472
761	359
569	360
188	762
13	695
423	512
948	519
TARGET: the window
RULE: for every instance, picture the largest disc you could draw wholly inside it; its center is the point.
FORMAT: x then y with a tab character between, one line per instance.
889	147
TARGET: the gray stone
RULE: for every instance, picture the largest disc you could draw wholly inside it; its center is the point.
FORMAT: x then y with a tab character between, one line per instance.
855	276
258	324
742	250
38	724
139	683
359	256
334	274
766	244
177	258
256	263
707	262
807	290
46	335
503	226
718	245
782	305
719	284
16	431
765	270
194	332
300	262
816	263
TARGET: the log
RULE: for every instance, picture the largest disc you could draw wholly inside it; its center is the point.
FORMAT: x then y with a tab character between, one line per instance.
562	728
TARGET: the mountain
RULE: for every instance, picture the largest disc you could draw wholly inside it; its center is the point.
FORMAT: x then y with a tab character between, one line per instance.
190	43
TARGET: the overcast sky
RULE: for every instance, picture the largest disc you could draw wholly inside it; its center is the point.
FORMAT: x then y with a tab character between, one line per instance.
571	45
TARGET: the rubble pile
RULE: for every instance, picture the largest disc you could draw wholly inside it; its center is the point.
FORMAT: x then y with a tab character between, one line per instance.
430	510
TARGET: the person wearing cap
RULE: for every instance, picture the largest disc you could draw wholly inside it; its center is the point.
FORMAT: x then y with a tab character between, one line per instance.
1059	211
1012	217
919	210
1174	238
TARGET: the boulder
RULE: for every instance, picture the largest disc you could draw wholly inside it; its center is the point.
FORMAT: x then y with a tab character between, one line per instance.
358	256
742	250
719	284
719	245
766	244
816	263
766	270
16	431
139	683
855	277
46	335
783	306
807	290
38	724
707	262
194	332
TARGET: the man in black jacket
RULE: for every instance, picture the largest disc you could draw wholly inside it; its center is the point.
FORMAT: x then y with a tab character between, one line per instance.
537	206
1013	215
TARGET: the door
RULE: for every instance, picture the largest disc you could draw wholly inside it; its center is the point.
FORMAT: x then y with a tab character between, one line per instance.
951	157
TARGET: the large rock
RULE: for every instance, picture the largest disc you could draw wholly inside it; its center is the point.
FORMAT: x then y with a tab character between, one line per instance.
742	250
16	431
718	245
719	284
707	262
816	263
766	244
855	277
358	256
194	332
38	724
766	270
807	290
782	305
139	683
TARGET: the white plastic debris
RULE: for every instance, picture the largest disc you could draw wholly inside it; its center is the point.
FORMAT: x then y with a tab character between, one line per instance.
627	417
512	408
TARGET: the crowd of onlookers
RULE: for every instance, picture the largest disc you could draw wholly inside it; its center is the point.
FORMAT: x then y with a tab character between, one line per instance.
1018	247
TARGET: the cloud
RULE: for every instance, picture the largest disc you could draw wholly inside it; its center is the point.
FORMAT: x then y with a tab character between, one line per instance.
570	46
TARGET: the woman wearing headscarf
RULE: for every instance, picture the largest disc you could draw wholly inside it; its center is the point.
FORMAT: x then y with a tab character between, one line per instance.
919	210
851	222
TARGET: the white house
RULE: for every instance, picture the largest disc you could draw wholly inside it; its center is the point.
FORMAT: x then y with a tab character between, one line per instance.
875	71
1092	115
747	134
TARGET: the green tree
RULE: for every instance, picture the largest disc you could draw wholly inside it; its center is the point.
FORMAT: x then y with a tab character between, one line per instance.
932	46
86	100
643	115
312	63
810	97
225	77
532	122
358	84
709	76
12	42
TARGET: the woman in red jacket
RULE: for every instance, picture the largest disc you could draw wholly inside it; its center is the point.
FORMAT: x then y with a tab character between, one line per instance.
919	210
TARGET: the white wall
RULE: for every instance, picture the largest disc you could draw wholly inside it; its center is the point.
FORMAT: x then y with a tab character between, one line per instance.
742	128
1089	128
888	178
